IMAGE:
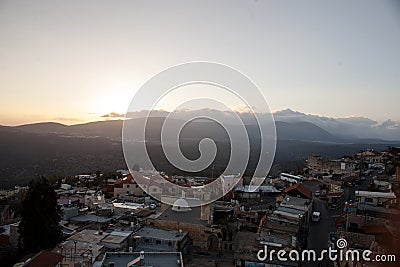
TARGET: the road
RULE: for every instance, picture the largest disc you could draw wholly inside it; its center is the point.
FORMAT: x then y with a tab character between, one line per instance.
318	235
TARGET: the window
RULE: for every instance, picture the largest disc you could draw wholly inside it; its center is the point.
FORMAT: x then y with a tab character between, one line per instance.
158	242
127	186
170	243
368	199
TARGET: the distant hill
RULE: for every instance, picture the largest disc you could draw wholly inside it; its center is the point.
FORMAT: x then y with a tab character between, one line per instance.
107	129
56	149
304	131
42	127
24	156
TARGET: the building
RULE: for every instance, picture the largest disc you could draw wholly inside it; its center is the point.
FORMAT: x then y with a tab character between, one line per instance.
89	236
315	164
247	246
383	186
42	259
356	241
288	225
90	218
298	190
194	219
155	259
378	204
371	156
127	186
75	252
254	192
345	167
117	240
156	239
69	211
376	199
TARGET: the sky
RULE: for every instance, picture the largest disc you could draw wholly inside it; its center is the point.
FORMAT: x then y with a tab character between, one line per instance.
75	61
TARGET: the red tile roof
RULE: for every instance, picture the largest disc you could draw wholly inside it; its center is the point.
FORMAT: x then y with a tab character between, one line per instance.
43	259
127	179
301	188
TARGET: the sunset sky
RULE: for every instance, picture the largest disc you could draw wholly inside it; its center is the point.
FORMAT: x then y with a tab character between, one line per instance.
74	61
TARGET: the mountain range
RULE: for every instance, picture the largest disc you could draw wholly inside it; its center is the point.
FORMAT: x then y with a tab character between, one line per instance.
56	149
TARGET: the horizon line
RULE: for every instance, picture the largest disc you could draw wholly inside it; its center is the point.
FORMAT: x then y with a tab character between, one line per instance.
115	116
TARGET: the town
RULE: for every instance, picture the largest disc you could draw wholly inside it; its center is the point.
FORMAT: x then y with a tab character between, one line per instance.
108	220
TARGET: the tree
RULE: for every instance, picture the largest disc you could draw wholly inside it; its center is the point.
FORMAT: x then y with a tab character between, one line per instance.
40	216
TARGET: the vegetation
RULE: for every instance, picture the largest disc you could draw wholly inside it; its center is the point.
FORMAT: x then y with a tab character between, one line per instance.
40	216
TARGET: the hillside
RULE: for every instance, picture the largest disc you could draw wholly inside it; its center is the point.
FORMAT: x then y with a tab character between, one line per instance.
55	149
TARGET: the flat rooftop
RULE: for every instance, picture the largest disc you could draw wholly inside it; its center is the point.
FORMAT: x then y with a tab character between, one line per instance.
154	259
160	234
114	239
289	210
90	217
295	203
81	248
190	217
88	236
256	189
375	194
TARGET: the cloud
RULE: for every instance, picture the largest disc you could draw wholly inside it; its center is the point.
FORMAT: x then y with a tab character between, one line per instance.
390	125
113	115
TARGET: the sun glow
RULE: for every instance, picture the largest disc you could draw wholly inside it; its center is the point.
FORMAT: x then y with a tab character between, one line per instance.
111	103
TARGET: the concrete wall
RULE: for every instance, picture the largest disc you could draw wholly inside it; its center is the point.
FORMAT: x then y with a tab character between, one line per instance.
196	231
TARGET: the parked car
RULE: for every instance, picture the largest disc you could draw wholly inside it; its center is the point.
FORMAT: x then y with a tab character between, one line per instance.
316	216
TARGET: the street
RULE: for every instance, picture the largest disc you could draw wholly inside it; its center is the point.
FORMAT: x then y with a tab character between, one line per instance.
318	235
